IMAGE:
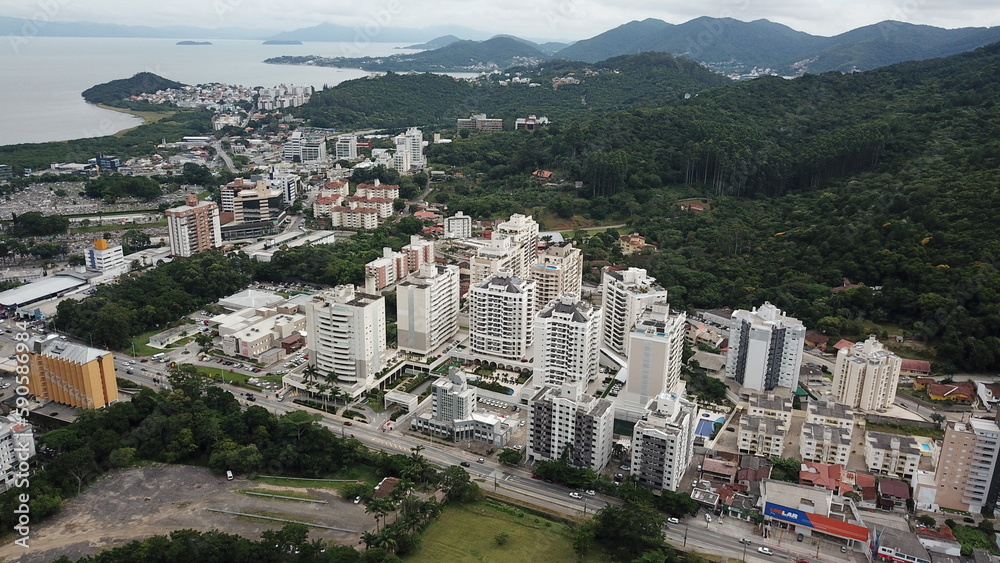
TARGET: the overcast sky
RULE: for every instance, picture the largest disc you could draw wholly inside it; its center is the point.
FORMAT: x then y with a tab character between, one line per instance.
539	19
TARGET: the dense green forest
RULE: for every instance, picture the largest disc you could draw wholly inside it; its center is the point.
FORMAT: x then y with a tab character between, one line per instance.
431	100
887	178
117	91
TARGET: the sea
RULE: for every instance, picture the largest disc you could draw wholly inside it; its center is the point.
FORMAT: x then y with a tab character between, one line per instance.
41	78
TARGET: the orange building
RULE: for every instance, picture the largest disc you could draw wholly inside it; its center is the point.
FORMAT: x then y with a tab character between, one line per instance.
72	374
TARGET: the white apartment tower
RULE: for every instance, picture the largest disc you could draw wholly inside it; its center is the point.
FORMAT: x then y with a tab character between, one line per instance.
17	444
663	442
458	225
346	336
765	348
523	232
564	421
194	227
655	348
104	258
626	294
567	343
865	376
496	256
410	150
558	272
500	317
427	308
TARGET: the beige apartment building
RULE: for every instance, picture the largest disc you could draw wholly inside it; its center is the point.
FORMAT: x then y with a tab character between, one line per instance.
72	374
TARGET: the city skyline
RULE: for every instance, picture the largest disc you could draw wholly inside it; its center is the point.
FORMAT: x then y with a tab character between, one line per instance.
565	20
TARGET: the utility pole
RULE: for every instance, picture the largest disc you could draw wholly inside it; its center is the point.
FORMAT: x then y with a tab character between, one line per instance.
685	536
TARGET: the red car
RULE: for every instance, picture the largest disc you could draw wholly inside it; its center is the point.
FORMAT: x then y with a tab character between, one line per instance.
348	423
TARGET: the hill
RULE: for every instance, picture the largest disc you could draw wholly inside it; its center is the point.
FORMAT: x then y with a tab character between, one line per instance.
15	27
435	43
886	177
327	31
731	45
118	90
492	54
433	100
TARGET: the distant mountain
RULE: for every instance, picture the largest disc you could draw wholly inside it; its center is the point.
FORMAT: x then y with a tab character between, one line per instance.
332	32
117	90
548	48
731	45
492	54
16	26
435	43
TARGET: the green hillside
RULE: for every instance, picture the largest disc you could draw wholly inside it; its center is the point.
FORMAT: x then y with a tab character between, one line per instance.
117	90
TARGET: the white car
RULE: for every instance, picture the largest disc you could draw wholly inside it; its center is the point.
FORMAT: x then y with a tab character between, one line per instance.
708	517
575	494
765	550
673	521
591	492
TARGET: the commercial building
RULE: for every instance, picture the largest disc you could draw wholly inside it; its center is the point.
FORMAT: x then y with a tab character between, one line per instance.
558	272
655	349
479	122
72	374
228	192
626	294
865	376
453	415
257	331
458	225
891	454
801	509
194	227
346	336
523	232
530	123
765	348
299	148
567	343
663	442
561	420
258	204
427	304
105	258
17	445
346	147
501	310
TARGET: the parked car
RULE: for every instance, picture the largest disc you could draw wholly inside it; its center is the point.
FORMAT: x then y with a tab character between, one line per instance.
765	550
357	500
673	521
708	517
575	494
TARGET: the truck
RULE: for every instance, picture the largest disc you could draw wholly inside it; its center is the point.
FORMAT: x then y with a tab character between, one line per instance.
159	356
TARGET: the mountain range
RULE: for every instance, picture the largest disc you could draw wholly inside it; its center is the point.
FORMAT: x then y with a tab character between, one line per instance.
733	45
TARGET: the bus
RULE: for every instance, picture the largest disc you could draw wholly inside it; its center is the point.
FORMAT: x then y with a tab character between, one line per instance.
158	356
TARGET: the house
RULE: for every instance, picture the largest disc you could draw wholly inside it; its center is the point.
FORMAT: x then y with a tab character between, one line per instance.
921	383
816	339
843	344
845	286
823	476
939	541
542	174
964	393
723	470
915	368
633	243
385	487
989	393
892	494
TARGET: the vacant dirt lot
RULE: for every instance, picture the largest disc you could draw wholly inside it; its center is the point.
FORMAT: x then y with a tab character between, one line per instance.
138	503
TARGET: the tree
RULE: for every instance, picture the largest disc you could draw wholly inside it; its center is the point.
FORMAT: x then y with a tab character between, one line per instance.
927	520
458	486
630	530
501	538
510	456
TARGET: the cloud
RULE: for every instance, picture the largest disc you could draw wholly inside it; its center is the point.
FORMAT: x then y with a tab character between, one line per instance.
565	19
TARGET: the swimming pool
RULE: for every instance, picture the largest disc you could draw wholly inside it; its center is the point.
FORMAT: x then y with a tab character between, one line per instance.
705	426
925	447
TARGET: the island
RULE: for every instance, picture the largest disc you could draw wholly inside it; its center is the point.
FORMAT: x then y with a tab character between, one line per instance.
282	42
194	42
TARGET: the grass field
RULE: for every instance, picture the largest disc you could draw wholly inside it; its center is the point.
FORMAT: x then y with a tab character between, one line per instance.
351	474
284	493
466	533
146	116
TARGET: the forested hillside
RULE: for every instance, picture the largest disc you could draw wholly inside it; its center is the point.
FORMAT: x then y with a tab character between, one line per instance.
117	90
431	100
888	178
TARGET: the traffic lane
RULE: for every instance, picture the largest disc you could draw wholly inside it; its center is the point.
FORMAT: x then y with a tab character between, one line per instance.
702	533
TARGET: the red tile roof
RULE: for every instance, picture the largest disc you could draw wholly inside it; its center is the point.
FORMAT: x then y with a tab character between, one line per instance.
843	344
893	488
822	475
918	366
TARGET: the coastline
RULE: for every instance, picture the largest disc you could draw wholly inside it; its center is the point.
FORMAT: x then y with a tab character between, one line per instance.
146	116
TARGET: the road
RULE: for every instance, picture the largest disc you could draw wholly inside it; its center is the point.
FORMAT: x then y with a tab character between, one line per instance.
224	155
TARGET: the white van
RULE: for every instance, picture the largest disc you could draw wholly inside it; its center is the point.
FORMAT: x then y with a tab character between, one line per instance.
229	475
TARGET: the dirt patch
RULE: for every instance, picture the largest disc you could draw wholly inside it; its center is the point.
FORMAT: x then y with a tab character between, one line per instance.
137	503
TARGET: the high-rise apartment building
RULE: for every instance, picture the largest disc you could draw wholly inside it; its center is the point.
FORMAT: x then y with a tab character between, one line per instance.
765	348
427	308
967	465
72	374
409	150
894	455
626	294
663	442
346	336
865	376
501	310
458	225
385	271
655	348
194	227
567	343
419	251
105	258
563	421
299	148
523	232
17	445
558	272
498	255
